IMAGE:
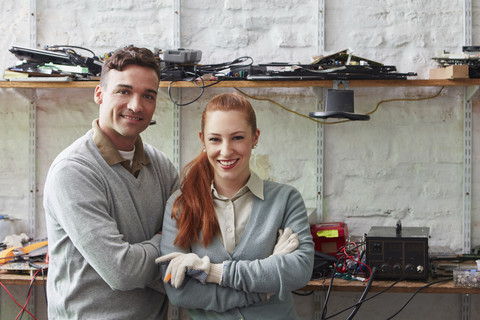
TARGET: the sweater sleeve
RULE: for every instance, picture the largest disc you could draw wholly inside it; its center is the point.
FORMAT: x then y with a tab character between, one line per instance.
193	294
278	274
84	218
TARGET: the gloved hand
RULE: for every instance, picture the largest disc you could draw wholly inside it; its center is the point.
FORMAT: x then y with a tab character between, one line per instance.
192	265
287	242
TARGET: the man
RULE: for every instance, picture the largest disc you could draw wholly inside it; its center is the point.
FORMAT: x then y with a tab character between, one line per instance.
104	201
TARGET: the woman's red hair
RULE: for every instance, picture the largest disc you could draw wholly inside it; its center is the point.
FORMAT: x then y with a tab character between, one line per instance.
193	209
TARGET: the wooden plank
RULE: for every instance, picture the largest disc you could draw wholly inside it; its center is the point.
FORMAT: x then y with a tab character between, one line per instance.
379	285
314	285
20	279
48	84
257	84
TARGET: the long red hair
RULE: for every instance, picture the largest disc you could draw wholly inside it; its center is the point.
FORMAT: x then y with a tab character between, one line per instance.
193	209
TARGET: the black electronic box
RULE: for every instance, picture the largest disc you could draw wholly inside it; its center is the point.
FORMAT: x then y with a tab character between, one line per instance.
398	252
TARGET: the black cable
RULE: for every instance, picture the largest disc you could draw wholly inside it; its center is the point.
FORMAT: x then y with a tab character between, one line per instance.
68	46
36	266
364	294
303	294
28	293
325	302
183	104
413	295
367	299
216	67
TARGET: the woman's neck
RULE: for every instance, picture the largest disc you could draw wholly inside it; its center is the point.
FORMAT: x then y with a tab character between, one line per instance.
228	188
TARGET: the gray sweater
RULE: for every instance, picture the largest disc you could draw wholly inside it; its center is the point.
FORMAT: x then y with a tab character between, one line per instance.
102	226
250	272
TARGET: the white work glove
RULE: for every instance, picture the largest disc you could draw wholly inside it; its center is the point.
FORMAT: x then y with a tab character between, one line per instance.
181	264
286	243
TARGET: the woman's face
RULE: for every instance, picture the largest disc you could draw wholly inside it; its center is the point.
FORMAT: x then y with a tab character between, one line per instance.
228	141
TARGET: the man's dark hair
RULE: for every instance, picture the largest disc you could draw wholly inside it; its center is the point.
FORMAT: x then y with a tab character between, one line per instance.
129	56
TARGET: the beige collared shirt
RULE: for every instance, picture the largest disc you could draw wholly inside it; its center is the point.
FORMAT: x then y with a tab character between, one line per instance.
112	156
233	214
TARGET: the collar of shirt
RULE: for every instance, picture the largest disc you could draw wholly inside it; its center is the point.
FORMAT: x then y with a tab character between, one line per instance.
254	184
111	155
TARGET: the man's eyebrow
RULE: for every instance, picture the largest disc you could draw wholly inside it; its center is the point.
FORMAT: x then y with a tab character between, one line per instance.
155	92
124	86
131	87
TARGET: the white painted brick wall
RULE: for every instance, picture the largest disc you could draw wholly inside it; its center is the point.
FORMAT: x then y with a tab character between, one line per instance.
406	163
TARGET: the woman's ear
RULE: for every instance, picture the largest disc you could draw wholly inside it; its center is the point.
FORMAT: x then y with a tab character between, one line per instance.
257	137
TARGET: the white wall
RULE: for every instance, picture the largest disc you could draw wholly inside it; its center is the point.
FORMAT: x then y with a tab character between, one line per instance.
405	163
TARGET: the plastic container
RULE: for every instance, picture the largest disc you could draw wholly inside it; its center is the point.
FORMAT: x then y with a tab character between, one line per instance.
463	277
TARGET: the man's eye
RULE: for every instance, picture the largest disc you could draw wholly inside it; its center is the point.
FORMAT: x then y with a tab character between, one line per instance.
123	91
149	96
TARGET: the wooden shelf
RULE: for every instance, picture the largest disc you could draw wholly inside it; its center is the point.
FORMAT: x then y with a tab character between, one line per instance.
401	287
257	84
314	285
10	278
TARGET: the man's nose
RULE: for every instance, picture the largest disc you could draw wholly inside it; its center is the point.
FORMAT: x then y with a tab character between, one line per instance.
135	104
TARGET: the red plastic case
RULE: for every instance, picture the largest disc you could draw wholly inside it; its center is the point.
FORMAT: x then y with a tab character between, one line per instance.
329	237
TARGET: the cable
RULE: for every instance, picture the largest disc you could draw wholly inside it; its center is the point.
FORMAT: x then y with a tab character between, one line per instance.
36	266
183	104
327	297
405	99
364	294
413	295
57	46
367	299
200	70
341	121
15	301
219	66
304	294
279	105
20	314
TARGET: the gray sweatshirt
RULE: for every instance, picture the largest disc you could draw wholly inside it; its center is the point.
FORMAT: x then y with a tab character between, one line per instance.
102	224
250	273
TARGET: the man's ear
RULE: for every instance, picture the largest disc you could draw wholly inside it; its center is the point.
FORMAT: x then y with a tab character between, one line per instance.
98	95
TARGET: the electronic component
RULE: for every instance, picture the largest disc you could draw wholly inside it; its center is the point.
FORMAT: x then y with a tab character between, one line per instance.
398	252
182	56
329	237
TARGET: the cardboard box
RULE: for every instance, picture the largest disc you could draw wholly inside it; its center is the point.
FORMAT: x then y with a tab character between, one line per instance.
450	72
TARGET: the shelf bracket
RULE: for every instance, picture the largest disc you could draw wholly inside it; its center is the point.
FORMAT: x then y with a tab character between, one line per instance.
338	83
470	92
320	102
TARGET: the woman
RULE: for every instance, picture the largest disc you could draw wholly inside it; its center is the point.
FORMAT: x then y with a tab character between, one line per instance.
220	229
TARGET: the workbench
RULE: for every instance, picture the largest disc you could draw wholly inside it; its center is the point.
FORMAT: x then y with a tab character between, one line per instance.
8	278
408	286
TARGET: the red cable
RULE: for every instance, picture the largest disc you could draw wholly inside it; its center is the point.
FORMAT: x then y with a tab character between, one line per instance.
28	297
18	304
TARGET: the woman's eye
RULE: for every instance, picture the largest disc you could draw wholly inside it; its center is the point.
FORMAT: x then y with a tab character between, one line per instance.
213	139
238	138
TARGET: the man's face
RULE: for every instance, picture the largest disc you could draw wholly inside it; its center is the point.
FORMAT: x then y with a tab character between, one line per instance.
127	104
